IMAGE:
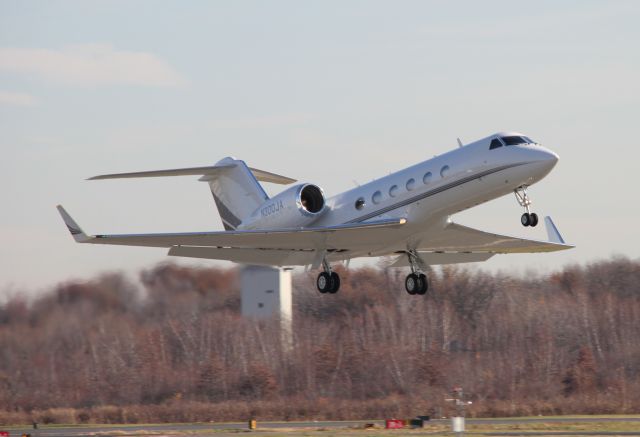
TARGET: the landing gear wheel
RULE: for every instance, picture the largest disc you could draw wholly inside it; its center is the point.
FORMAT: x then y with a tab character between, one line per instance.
412	283
335	283
528	218
424	284
324	282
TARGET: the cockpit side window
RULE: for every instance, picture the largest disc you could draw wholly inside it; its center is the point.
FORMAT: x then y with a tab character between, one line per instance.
513	140
495	143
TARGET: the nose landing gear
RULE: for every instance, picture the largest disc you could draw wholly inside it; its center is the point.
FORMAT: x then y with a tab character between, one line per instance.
416	282
528	218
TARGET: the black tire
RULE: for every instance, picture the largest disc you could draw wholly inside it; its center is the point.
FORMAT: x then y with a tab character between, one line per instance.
323	282
534	220
335	283
525	219
411	283
424	285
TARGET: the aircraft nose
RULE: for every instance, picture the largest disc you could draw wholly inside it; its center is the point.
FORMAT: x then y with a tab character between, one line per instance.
542	161
549	157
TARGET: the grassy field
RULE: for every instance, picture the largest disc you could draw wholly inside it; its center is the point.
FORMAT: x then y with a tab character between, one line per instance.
442	429
604	426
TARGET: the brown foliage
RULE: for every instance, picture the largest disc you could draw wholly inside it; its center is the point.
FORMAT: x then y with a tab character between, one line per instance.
581	377
177	349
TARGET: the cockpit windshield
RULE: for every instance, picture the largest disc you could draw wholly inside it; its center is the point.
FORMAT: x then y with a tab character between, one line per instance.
515	140
495	143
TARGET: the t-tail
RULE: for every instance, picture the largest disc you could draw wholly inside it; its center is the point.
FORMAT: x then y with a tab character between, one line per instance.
234	186
236	191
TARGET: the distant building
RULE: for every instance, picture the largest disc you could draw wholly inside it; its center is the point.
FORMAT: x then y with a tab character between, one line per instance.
266	293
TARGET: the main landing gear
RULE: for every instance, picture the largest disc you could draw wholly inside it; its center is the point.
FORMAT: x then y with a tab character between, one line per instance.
416	282
328	281
528	218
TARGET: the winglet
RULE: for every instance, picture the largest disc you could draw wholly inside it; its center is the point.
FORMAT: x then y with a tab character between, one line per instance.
75	230
552	231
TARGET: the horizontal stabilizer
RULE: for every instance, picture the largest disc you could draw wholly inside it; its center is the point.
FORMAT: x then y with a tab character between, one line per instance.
265	176
193	171
207	173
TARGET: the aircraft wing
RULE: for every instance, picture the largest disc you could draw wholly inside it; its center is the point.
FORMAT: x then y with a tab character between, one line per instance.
462	239
278	244
457	244
302	246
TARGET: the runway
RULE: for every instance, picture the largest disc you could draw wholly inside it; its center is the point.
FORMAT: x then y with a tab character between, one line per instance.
321	428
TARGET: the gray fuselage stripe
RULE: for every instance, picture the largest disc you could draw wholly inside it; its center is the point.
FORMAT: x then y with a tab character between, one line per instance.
433	192
228	218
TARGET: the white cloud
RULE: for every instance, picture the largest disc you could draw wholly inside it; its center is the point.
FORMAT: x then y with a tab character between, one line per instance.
90	64
17	99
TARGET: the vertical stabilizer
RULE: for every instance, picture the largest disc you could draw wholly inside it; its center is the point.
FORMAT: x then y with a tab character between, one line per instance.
235	190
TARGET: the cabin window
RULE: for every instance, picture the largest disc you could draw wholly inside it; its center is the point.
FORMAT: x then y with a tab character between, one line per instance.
393	191
411	184
444	171
495	143
360	203
427	178
513	140
377	197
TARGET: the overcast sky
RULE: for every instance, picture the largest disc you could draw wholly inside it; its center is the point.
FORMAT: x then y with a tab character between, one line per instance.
325	92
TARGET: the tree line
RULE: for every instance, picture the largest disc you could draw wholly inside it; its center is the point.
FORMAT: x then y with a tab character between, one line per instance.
173	346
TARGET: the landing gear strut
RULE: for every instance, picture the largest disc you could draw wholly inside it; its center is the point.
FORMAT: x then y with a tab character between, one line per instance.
528	218
416	282
328	281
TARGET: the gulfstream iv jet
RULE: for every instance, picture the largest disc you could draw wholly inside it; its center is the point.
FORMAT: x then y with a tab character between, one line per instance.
406	214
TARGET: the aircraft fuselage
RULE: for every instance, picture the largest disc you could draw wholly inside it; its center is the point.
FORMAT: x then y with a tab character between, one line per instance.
427	193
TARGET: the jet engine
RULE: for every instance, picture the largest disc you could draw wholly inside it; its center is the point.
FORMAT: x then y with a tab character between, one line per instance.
298	206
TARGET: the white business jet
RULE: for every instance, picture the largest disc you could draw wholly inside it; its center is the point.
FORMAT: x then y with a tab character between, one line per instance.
406	214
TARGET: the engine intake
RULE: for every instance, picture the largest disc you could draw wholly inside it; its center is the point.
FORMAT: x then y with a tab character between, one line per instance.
311	198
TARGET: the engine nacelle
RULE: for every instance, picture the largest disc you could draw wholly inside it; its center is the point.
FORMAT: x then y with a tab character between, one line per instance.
295	207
